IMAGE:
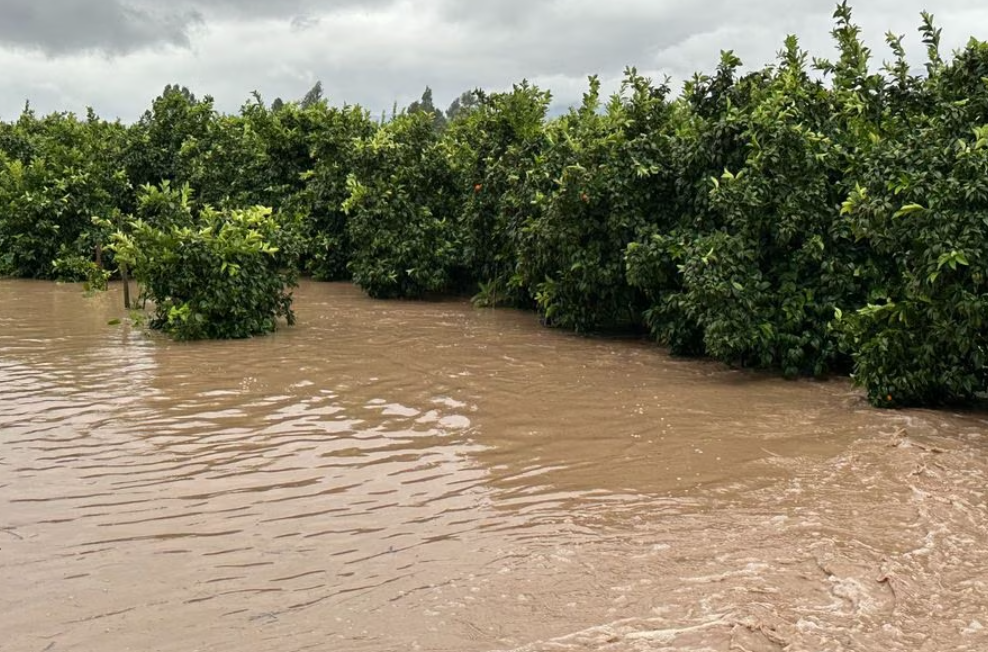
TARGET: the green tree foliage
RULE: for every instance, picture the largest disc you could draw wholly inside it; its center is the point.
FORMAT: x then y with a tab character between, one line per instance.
226	163
56	173
403	196
707	137
212	274
295	159
491	147
156	140
255	157
764	275
921	205
323	161
597	185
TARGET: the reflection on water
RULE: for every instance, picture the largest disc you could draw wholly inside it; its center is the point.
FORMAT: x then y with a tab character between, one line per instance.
400	476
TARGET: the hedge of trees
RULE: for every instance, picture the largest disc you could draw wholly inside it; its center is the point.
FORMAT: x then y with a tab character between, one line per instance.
814	216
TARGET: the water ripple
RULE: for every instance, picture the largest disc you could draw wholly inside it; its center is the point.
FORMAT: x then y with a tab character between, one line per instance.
428	476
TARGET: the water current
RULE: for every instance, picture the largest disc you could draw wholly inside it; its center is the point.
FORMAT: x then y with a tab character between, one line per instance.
431	476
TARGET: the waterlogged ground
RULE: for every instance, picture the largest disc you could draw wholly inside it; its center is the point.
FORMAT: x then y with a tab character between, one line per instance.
427	476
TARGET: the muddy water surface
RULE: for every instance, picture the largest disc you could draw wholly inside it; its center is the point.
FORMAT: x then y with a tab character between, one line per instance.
427	476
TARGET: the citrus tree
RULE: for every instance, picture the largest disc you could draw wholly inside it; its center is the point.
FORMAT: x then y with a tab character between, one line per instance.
402	200
215	274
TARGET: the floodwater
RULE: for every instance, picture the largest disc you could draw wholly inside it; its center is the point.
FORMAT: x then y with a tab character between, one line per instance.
429	476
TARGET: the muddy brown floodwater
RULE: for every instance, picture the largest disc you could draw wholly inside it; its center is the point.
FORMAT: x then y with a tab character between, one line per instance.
428	476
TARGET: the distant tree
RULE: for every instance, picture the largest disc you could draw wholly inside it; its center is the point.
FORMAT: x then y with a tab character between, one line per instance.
183	91
278	104
464	104
423	105
314	96
426	105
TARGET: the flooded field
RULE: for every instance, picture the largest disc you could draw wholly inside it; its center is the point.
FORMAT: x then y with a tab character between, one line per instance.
428	476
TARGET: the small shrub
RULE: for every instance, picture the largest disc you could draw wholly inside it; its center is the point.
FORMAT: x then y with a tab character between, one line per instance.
221	276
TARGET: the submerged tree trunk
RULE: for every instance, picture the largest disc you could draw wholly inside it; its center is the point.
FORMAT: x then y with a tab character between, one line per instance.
126	286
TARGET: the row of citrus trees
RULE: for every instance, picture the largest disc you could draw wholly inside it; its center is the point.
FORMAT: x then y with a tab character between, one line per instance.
812	217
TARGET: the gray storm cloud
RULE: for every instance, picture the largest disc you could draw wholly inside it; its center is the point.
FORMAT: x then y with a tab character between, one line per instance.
59	27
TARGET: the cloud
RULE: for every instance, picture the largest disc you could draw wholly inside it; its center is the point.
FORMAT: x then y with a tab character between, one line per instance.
304	22
61	27
58	27
116	55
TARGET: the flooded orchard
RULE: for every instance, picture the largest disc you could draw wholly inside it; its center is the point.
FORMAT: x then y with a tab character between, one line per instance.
429	476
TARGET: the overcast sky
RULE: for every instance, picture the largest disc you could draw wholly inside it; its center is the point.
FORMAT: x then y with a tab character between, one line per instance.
117	55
